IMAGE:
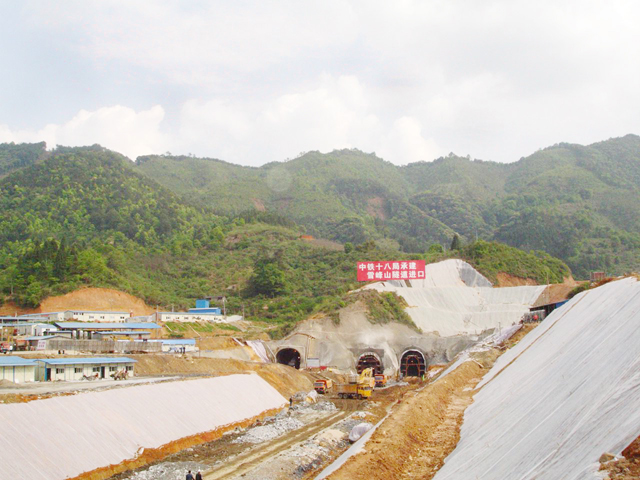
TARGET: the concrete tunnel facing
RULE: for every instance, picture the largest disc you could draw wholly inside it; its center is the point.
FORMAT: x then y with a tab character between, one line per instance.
370	360
290	357
413	364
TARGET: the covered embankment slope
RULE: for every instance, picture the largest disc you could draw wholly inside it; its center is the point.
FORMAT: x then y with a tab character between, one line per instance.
454	299
566	394
63	437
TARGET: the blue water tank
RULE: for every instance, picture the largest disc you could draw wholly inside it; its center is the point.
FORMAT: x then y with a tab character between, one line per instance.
202	303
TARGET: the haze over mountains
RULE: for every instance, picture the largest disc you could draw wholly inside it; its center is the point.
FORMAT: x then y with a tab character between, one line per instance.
579	203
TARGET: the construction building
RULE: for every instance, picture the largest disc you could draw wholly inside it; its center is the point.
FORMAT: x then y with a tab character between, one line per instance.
17	369
83	330
178	345
28	328
36	342
81	315
202	312
69	369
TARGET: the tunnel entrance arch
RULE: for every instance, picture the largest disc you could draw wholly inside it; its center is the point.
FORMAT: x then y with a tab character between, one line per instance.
370	360
290	357
413	364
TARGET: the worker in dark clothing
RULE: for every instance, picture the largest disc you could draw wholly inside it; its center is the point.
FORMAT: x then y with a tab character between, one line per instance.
290	402
189	476
198	476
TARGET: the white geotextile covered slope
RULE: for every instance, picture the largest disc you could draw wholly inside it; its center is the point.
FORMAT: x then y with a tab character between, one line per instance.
566	394
455	299
62	437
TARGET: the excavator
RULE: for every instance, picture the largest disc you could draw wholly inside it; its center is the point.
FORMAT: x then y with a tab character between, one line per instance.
358	386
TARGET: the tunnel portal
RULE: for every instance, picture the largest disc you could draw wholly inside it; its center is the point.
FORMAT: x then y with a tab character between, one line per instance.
290	357
369	360
413	364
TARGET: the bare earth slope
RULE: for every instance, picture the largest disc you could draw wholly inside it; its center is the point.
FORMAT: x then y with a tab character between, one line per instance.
102	299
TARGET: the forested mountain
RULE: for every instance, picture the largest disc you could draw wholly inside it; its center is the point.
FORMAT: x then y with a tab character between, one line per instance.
13	157
581	204
87	216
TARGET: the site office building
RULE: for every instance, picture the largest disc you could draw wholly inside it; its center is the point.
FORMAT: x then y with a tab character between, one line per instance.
84	316
17	369
69	369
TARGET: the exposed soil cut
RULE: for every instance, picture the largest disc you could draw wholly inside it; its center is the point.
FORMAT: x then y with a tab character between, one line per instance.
508	280
627	468
414	441
375	208
101	299
286	380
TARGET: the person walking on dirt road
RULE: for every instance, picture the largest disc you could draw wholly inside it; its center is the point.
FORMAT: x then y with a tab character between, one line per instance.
198	476
189	476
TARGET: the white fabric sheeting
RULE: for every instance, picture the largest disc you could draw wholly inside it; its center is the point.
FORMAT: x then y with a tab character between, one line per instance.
62	437
566	394
258	348
445	303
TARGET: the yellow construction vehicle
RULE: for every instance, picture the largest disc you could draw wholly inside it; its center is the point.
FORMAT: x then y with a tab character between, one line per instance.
358	387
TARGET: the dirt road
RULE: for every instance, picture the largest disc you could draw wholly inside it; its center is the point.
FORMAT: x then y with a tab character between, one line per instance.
253	458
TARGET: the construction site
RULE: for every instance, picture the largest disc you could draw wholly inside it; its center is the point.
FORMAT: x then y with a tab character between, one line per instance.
490	383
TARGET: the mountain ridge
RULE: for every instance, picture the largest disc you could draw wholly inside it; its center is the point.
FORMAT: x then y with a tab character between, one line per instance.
579	203
348	195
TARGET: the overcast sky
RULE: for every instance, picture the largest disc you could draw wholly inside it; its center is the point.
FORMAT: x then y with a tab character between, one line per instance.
253	82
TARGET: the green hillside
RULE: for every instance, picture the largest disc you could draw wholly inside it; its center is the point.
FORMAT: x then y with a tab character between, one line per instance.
579	203
14	157
86	217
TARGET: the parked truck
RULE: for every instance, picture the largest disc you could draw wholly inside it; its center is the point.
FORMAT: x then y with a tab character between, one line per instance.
381	380
323	385
358	387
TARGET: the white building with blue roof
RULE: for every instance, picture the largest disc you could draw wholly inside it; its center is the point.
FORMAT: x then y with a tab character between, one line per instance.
89	330
17	369
69	369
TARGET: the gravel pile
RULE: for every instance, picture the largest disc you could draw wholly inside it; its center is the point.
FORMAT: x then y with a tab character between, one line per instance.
169	471
324	406
264	433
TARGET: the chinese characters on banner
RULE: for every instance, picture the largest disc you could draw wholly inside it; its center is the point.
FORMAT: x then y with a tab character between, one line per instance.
401	270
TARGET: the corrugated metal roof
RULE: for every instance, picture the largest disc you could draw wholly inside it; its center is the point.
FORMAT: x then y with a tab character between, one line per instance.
43	337
11	361
178	341
85	361
124	332
108	325
22	324
95	311
190	313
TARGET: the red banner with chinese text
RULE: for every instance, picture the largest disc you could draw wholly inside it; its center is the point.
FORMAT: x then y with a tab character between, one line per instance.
393	270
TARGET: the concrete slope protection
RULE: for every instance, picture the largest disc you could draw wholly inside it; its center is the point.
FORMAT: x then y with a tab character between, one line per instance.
566	394
454	307
62	437
454	299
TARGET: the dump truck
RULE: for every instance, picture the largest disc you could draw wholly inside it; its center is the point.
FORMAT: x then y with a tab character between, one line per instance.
358	387
381	380
323	385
